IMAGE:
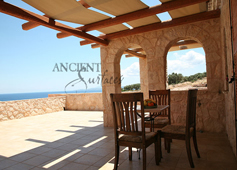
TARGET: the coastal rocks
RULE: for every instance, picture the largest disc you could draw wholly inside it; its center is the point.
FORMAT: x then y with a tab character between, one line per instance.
23	108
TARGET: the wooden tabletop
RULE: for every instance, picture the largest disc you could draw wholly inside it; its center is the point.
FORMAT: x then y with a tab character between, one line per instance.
159	108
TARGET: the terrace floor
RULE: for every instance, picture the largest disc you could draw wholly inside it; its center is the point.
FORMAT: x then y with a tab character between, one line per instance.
77	140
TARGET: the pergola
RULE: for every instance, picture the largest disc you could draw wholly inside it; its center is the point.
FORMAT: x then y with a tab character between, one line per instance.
140	17
133	28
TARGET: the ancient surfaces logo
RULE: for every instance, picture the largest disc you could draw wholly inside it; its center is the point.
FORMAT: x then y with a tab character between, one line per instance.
82	81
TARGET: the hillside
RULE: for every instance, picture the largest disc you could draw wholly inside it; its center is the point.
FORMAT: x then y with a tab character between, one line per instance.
200	84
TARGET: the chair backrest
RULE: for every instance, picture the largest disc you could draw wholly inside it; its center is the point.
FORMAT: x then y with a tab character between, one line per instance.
126	120
191	110
162	97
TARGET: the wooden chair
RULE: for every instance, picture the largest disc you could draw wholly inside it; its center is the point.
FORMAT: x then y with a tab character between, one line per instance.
159	120
128	130
184	132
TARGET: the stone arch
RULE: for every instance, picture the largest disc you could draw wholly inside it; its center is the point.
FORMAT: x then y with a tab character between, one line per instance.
156	45
110	64
212	54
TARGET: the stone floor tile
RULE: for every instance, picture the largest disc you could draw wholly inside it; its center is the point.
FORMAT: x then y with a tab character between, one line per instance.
54	153
92	168
37	160
40	150
68	147
74	166
220	157
20	166
54	165
88	159
5	163
74	156
101	151
23	156
86	150
27	141
54	144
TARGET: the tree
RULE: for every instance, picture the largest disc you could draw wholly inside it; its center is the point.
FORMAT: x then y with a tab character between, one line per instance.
132	87
175	78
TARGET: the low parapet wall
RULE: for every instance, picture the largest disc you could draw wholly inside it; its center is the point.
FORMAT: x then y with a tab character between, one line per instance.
210	107
83	101
23	108
210	110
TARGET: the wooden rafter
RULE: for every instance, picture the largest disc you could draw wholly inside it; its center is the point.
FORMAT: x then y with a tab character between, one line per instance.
95	45
175	22
138	49
50	23
168	6
134	53
127	56
30	25
84	4
185	42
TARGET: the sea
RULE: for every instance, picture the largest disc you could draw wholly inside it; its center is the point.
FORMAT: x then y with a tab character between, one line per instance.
36	95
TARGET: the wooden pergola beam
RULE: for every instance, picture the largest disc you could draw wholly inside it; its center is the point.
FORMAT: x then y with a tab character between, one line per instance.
185	42
138	49
133	53
84	4
30	25
156	26
50	23
168	6
95	45
128	56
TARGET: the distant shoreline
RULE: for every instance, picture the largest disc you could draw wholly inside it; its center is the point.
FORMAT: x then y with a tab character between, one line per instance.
36	95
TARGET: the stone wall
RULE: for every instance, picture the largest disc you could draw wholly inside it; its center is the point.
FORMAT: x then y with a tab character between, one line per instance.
55	102
23	108
84	102
153	72
210	110
228	70
234	23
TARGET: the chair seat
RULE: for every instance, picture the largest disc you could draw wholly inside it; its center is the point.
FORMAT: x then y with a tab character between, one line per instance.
175	129
159	121
137	139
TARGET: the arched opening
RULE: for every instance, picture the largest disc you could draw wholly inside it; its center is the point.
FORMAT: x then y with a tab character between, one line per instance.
186	65
130	68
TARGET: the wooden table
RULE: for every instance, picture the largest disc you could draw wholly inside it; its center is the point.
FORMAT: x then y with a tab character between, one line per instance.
152	111
158	109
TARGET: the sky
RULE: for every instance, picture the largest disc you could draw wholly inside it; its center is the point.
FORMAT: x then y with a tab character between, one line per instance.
30	60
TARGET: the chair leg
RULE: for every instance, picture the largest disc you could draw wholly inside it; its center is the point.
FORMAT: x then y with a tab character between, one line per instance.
168	145
165	142
130	153
188	148
144	157
158	149
195	144
116	157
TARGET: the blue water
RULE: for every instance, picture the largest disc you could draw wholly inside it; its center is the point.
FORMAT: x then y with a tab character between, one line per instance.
23	96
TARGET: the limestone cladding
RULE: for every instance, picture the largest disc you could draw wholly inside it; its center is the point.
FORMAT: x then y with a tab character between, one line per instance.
209	107
153	69
23	108
227	53
84	102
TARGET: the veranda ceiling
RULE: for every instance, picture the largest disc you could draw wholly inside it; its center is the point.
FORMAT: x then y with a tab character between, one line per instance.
75	12
113	18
